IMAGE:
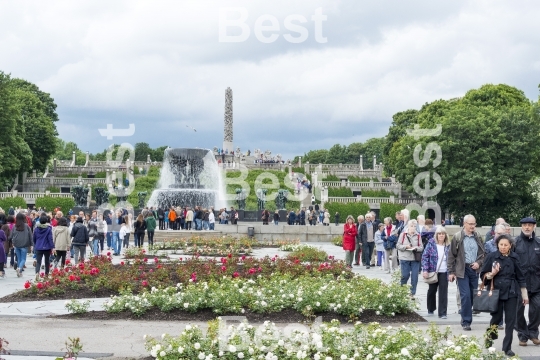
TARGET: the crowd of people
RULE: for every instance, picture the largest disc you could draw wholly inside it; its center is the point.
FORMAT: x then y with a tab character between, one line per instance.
52	238
511	265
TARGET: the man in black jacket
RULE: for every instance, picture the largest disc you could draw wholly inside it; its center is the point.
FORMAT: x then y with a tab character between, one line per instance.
528	250
367	238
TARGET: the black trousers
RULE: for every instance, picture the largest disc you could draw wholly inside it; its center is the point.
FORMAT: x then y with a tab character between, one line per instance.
368	250
528	331
510	307
442	287
161	224
40	254
61	256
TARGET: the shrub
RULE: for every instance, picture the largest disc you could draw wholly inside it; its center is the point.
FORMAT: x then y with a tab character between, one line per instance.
337	240
50	203
331	178
376	193
340	192
354	209
389	210
52	189
13	201
353	178
251	200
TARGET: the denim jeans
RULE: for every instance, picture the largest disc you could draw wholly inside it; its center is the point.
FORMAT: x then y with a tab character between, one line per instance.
109	240
211	226
150	238
95	246
198	224
467	287
205	224
410	269
116	242
275	222
21	257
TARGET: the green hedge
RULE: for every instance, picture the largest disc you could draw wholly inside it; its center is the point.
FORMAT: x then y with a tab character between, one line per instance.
354	209
52	189
331	178
13	201
376	193
353	178
340	192
251	201
50	203
389	210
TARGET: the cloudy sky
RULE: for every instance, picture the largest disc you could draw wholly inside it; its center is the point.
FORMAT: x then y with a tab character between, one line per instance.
162	65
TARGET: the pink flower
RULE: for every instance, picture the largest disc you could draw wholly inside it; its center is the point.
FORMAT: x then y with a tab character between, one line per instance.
223	268
39	285
235	274
145	283
27	285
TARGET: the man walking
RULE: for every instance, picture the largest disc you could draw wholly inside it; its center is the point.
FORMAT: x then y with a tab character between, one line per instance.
465	260
367	233
528	251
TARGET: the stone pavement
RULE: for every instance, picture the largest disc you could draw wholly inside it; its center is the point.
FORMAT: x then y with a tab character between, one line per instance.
32	335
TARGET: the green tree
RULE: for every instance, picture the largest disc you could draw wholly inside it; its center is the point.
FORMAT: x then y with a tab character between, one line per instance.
400	123
337	154
316	156
16	155
158	153
142	150
487	160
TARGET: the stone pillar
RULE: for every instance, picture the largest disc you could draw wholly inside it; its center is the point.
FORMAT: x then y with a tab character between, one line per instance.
73	159
17	179
324	196
79	179
314	178
228	122
148	160
107	177
343	183
24	176
46	172
361	162
290	171
54	166
34	173
306	167
300	161
87	159
128	164
374	162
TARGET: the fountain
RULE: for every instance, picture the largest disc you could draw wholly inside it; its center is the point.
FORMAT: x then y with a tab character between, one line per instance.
189	177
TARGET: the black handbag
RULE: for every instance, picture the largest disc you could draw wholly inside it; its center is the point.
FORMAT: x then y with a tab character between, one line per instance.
486	300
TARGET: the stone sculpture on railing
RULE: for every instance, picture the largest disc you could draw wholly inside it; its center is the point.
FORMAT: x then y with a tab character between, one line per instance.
241	198
102	196
80	194
281	199
261	199
142	198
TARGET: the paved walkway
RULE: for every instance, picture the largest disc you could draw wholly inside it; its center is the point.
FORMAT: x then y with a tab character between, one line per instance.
31	333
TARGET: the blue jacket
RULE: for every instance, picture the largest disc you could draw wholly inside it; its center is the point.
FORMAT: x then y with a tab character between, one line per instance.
43	237
430	257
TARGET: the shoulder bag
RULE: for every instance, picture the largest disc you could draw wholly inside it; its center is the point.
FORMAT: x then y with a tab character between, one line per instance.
432	277
417	254
486	300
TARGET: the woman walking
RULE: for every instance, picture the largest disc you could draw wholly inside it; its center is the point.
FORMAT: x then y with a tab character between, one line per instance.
21	238
44	244
139	228
276	217
503	268
390	240
3	257
349	240
326	219
62	241
408	244
434	259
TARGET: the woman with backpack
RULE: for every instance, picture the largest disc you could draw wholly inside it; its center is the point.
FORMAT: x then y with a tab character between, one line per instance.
44	244
150	228
410	249
62	241
22	240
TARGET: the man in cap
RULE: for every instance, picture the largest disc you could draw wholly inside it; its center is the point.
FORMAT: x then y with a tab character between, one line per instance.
528	251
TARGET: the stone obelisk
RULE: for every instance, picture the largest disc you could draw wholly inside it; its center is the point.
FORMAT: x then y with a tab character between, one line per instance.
228	122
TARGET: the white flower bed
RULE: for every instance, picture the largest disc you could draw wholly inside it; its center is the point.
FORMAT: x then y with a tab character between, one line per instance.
262	295
321	341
